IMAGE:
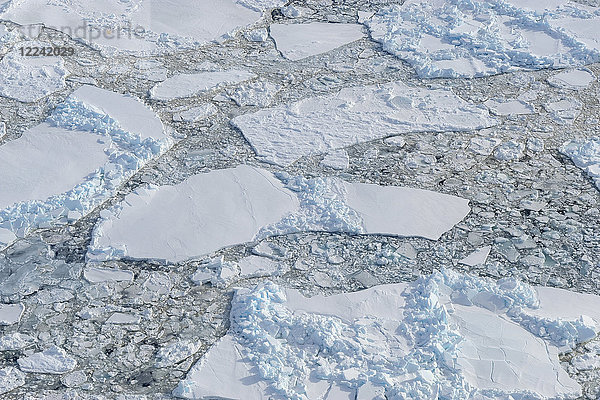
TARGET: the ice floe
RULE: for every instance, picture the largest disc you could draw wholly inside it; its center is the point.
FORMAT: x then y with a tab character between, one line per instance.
11	314
141	27
564	111
446	335
337	159
186	85
196	113
477	257
585	153
195	217
576	79
95	275
61	169
456	38
29	79
53	360
10	378
298	41
282	134
15	341
509	107
175	353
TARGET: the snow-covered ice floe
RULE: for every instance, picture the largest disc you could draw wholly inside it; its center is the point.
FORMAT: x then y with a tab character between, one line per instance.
53	360
29	79
282	134
585	153
186	85
142	27
62	168
447	335
225	207
11	313
458	38
576	79
298	41
10	378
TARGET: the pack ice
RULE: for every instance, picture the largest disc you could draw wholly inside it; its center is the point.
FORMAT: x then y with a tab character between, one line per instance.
456	38
298	41
186	85
447	335
222	208
585	153
62	168
282	134
142	27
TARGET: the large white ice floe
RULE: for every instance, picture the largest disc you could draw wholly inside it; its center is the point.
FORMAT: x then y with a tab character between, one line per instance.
142	27
446	335
298	41
585	153
186	85
29	79
282	134
226	207
62	168
576	79
457	38
53	360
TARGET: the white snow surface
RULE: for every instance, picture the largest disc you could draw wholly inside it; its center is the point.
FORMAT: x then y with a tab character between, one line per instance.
585	153
509	107
30	79
282	134
53	360
196	217
298	41
142	27
576	79
59	170
458	38
187	85
446	335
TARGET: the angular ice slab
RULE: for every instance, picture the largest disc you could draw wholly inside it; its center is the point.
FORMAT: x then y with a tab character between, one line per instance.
186	85
446	335
11	313
142	27
53	360
222	208
298	41
282	134
455	38
10	378
58	171
29	79
576	79
585	153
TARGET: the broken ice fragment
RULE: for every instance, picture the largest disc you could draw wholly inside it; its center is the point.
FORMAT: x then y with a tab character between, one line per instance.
564	111
477	257
576	79
337	159
175	353
511	150
187	85
10	378
354	115
95	275
123	319
585	153
509	107
298	41
11	313
15	341
255	266
54	360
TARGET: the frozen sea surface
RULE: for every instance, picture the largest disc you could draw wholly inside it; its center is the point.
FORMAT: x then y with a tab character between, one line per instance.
186	85
446	334
60	169
464	39
354	115
206	207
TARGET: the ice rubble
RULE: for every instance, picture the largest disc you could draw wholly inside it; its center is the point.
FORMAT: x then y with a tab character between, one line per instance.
10	378
186	85
259	205
298	41
585	153
61	169
458	38
29	79
141	27
354	115
447	335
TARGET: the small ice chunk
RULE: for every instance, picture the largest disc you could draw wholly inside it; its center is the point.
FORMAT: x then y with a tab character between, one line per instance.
255	266
585	153
259	93
576	79
478	257
484	145
535	144
10	378
74	379
96	274
397	141
511	150
509	107
187	85
11	313
337	159
565	110
123	319
15	341
298	41
195	114
53	360
257	35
